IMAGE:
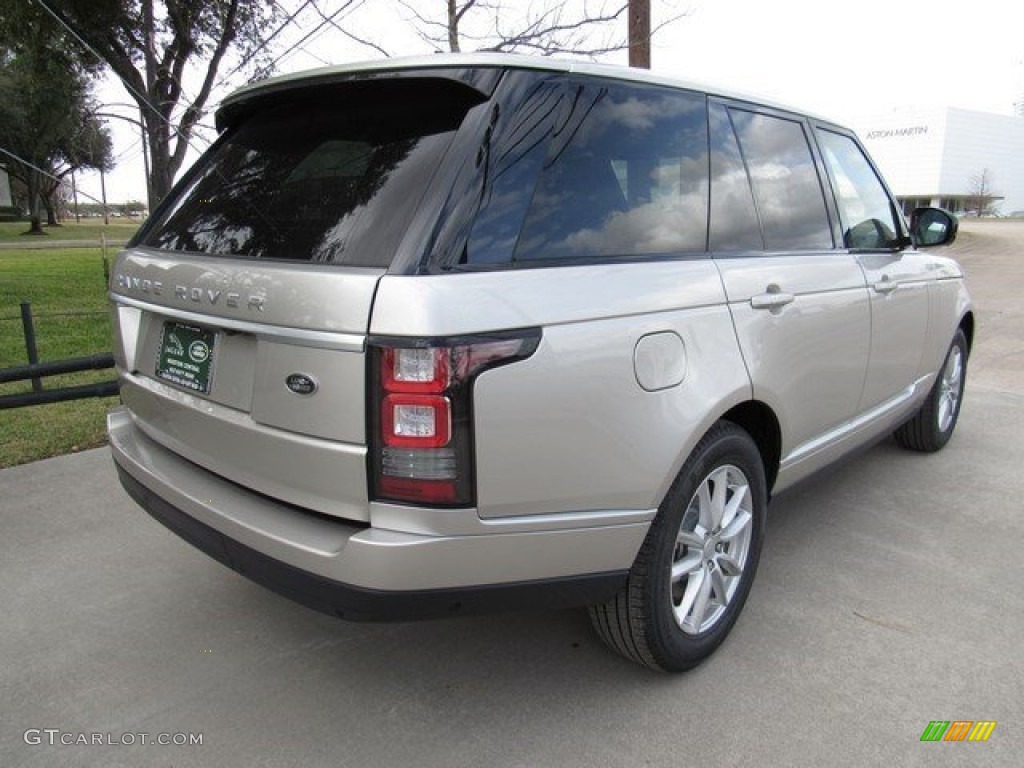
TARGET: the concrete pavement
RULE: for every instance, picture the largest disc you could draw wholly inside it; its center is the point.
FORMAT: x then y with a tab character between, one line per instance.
890	594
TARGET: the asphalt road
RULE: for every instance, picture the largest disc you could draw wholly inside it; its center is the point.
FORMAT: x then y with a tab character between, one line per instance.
890	594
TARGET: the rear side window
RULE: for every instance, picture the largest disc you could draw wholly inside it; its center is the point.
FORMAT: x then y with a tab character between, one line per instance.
867	214
786	184
328	180
624	174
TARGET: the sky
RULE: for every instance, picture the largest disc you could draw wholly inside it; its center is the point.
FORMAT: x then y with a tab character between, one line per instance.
843	61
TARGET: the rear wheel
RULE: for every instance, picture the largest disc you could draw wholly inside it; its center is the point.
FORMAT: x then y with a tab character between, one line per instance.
695	568
933	424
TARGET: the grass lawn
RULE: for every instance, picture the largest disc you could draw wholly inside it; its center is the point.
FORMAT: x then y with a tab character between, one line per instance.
67	290
88	229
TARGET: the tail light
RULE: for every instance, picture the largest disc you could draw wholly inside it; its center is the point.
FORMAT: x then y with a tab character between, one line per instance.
421	413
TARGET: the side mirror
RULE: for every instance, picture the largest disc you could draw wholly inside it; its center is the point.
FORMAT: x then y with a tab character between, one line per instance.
933	226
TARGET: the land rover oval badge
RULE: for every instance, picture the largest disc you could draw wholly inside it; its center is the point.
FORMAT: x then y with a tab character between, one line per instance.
301	384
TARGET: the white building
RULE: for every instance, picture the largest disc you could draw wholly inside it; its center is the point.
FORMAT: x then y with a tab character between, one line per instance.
5	190
931	156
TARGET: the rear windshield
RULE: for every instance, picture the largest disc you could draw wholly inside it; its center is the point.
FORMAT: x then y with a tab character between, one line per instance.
333	180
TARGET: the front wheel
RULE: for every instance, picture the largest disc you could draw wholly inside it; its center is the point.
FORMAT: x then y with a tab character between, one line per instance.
933	424
695	568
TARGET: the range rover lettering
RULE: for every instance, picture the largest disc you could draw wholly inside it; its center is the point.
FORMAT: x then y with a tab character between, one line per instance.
459	333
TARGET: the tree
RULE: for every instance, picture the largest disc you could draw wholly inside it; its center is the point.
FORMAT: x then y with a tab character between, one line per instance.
88	146
586	29
46	119
980	196
151	46
132	208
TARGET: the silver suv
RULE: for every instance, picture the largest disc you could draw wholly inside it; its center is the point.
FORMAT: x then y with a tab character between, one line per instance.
461	333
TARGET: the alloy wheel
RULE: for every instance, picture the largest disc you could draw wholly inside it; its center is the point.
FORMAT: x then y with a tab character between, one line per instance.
711	550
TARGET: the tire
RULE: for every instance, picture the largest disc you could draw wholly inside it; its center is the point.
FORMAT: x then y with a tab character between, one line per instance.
933	424
708	533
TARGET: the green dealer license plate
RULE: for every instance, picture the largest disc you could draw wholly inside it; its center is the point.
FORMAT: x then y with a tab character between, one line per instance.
186	356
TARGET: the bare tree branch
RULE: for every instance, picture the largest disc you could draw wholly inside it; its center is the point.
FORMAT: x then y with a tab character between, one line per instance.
547	29
194	112
549	35
419	19
349	34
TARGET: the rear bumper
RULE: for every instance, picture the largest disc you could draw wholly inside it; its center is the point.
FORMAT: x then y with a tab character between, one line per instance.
360	572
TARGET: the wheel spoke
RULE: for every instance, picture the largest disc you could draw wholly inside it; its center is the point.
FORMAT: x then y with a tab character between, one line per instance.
691	539
693	587
945	412
700	604
729	566
721	480
953	370
733	507
704	505
719	588
740	523
687	565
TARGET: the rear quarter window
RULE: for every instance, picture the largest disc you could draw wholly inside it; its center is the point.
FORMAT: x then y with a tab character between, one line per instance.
607	171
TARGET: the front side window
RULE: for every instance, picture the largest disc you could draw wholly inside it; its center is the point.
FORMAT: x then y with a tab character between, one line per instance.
864	207
786	185
318	180
625	175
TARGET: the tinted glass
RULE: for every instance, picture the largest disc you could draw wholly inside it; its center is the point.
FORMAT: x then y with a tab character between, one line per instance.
512	155
864	206
785	182
323	182
734	224
625	175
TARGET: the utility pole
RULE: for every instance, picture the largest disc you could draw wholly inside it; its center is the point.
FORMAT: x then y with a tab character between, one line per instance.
639	32
145	165
74	194
145	146
103	187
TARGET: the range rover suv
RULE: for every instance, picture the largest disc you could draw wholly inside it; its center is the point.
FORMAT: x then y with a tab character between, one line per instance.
423	337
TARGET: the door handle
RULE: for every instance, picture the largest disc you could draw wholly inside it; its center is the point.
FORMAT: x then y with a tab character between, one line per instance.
773	299
885	285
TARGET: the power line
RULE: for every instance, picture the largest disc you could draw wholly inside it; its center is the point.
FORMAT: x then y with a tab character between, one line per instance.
143	99
349	35
265	42
135	148
49	175
319	28
321	59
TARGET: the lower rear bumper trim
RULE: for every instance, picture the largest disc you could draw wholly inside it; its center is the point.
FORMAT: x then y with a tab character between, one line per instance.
359	603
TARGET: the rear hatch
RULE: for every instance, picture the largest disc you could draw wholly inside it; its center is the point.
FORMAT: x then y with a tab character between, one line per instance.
241	309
